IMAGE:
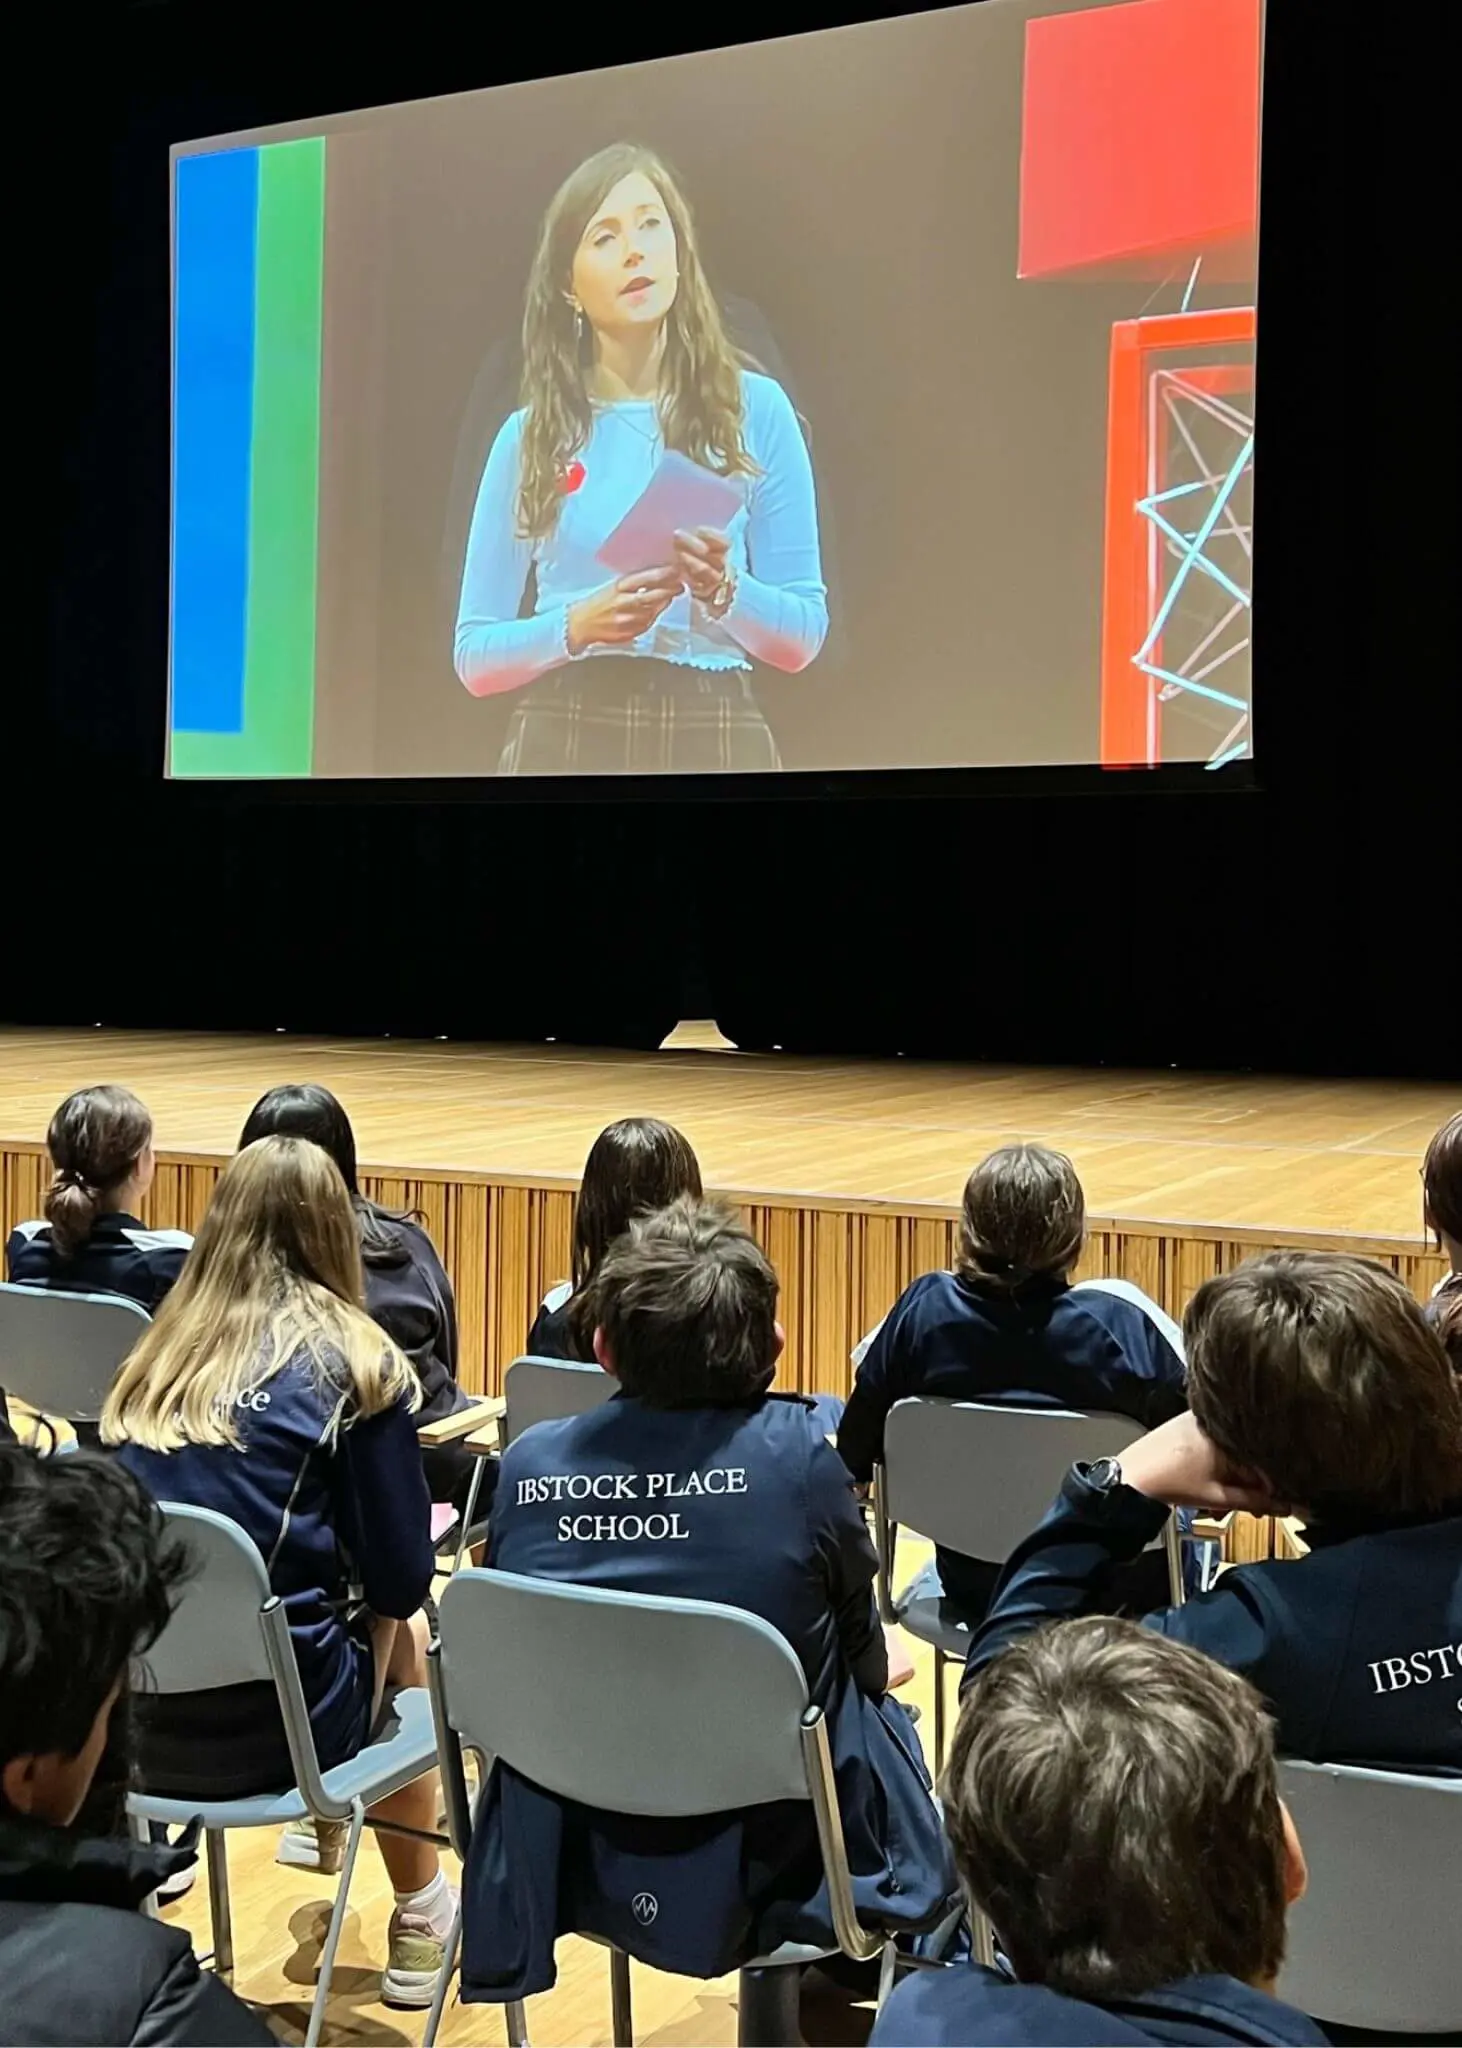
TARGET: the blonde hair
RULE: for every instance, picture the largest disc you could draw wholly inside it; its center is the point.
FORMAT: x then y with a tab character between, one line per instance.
274	1271
701	407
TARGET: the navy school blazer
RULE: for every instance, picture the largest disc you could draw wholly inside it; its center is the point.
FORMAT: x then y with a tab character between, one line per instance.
1049	1346
750	1508
1357	1647
968	2007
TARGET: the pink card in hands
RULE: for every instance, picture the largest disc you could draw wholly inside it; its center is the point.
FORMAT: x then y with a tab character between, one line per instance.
679	495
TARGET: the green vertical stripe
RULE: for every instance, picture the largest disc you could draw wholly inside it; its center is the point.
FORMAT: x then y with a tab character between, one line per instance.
279	646
279	656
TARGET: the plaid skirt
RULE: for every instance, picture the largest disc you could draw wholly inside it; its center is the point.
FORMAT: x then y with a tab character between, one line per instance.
624	715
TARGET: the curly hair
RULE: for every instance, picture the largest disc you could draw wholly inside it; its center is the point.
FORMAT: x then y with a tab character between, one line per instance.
701	406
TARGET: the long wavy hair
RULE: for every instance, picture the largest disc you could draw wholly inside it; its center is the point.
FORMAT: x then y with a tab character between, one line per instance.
274	1273
701	410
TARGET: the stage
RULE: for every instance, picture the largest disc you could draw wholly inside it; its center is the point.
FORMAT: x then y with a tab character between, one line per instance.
849	1171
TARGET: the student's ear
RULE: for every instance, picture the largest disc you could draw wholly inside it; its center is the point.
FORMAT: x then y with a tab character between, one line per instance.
18	1782
39	1787
779	1341
1296	1871
602	1353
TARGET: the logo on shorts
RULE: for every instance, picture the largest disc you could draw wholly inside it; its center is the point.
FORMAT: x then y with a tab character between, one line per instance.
645	1907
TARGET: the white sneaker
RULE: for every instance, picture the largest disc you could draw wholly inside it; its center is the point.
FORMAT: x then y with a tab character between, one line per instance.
415	1957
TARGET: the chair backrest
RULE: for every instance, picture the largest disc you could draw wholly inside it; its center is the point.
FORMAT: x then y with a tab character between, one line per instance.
624	1702
214	1637
978	1479
60	1351
550	1390
1373	1943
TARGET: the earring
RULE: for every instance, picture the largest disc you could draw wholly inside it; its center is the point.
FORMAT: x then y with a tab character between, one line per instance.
579	324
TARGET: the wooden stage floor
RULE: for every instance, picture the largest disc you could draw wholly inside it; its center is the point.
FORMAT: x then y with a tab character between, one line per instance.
850	1171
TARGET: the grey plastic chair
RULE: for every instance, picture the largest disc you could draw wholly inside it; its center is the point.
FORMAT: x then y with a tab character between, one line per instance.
1373	1943
229	1629
695	1708
977	1479
550	1390
538	1390
60	1351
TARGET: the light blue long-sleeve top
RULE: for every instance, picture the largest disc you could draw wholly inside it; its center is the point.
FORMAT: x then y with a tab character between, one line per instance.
778	614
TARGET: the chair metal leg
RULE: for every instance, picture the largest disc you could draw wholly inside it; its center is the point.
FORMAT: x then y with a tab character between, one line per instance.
767	2007
623	2020
474	1487
1173	1548
337	1922
439	1997
515	2017
982	1938
939	1663
220	1912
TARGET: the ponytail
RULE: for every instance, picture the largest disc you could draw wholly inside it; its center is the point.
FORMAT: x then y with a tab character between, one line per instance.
95	1140
71	1210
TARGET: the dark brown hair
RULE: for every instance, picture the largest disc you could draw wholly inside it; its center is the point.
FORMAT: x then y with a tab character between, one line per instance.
1447	1322
687	1301
1112	1804
633	1167
701	404
1441	1180
95	1140
1024	1219
1320	1371
305	1109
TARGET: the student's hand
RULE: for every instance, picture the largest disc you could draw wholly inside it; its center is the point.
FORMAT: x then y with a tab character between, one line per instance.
700	558
1178	1464
622	610
900	1663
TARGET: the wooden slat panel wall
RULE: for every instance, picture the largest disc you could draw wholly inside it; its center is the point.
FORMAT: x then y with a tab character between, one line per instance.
504	1244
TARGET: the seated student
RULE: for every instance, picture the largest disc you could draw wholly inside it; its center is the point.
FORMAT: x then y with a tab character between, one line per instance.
1114	1810
264	1391
633	1167
406	1286
1317	1387
88	1578
704	1484
1007	1327
90	1240
1441	1180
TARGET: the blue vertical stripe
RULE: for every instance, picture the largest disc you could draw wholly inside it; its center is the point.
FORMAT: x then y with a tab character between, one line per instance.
217	209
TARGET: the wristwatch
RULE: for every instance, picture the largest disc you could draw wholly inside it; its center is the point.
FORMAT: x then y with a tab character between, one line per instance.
1103	1475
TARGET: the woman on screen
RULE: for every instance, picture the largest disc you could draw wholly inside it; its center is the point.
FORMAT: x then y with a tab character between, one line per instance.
625	357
